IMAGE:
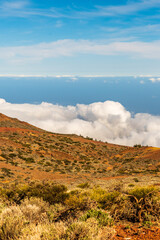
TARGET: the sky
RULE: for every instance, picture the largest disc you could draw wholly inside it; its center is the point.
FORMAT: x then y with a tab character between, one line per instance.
87	67
75	37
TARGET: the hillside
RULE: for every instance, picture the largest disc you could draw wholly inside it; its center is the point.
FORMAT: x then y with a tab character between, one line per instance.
29	153
104	191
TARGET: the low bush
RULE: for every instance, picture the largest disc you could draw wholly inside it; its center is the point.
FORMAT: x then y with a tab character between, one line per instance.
102	217
35	210
82	231
105	199
80	201
48	191
84	185
142	204
11	223
46	211
54	232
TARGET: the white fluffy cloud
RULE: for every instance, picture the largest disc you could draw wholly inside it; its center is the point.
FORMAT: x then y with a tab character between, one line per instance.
154	79
107	121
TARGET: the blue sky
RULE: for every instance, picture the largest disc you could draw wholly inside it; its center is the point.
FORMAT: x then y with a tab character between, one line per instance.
75	37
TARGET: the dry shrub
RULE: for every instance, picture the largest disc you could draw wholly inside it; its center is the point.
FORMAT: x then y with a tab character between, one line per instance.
123	210
35	210
55	231
44	232
2	205
11	223
106	233
32	232
139	205
83	230
57	212
76	231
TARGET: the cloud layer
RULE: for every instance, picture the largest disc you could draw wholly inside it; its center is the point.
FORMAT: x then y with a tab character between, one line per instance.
71	47
107	121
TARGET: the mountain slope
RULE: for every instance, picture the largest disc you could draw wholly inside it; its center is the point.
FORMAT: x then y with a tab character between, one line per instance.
27	152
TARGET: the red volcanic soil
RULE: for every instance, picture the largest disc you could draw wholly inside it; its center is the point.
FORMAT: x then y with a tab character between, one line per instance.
136	233
20	130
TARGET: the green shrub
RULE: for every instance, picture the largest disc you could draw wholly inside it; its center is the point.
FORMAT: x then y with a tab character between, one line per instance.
143	192
80	201
84	185
104	199
137	146
48	191
101	216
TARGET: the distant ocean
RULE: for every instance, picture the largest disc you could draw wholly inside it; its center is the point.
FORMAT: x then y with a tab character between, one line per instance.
137	95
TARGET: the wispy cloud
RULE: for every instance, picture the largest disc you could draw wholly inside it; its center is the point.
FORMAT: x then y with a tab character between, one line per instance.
24	9
13	8
107	121
130	8
132	31
8	5
68	47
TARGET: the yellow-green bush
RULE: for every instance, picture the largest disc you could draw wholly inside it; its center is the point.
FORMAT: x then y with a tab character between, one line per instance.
84	185
143	192
80	201
105	199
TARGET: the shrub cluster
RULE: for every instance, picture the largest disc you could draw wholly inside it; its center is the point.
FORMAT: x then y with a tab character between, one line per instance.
45	211
48	191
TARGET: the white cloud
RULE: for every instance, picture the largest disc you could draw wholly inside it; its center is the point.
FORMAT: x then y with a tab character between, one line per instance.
69	47
154	79
107	121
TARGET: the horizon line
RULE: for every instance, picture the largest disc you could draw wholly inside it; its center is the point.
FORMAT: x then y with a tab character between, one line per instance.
75	76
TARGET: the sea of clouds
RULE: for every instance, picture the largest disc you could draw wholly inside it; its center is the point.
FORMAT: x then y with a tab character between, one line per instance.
107	121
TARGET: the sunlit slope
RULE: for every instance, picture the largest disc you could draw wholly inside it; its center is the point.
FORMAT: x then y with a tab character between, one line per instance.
27	152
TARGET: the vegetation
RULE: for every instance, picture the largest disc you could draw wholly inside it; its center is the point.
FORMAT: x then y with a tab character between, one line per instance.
43	210
28	211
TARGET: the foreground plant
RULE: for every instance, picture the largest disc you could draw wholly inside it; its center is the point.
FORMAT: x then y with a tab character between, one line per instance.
139	205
